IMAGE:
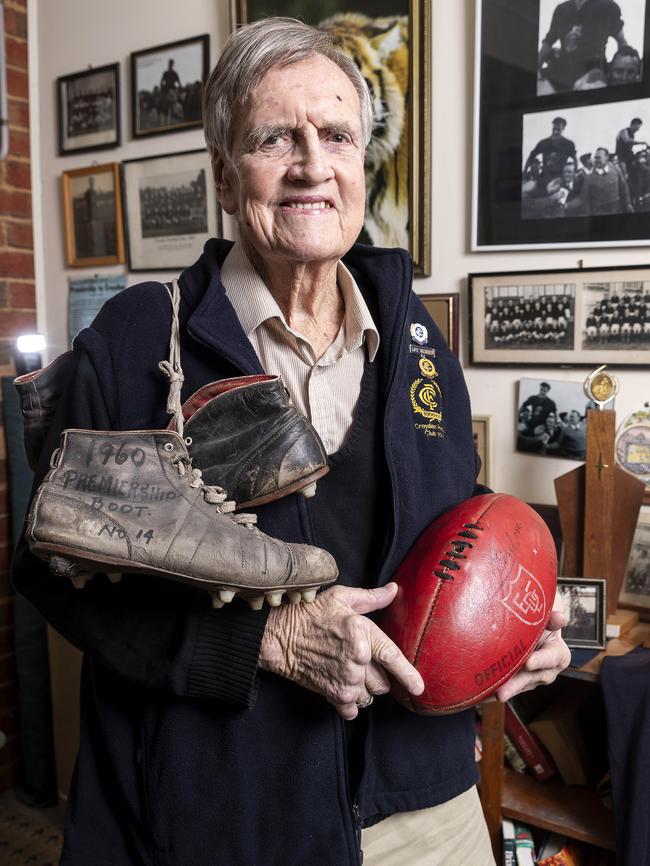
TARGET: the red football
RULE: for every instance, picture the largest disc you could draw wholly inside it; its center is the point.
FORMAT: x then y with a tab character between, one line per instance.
475	592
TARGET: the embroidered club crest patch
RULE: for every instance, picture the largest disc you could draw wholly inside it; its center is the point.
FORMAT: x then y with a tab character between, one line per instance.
426	400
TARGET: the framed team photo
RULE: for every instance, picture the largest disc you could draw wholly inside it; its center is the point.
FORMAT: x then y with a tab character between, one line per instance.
171	209
390	41
584	602
635	593
443	309
577	317
561	124
167	86
88	109
92	203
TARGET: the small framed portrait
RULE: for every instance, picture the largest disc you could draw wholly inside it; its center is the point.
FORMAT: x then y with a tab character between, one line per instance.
390	41
552	418
171	209
443	309
578	317
167	86
92	202
482	431
562	112
635	593
584	603
89	109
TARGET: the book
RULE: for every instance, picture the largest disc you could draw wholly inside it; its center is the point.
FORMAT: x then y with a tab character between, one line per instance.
512	756
508	836
528	745
557	850
557	728
524	846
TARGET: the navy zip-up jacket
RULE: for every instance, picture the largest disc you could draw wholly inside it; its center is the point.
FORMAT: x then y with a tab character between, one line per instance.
190	756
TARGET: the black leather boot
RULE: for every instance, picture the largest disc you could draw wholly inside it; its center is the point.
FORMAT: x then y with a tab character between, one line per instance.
40	392
246	436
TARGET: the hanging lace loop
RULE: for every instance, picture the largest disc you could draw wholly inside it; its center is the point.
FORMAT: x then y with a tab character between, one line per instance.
174	372
172	368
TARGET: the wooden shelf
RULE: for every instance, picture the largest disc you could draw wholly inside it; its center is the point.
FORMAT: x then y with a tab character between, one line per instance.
571	810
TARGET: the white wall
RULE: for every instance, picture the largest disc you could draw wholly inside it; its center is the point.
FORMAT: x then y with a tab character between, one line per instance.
70	34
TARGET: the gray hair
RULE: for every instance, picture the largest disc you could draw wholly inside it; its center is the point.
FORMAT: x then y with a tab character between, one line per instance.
252	51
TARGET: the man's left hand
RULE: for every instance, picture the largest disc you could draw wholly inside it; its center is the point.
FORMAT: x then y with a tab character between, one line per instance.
543	665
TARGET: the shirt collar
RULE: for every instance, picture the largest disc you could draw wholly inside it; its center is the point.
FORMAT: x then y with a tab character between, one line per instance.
254	303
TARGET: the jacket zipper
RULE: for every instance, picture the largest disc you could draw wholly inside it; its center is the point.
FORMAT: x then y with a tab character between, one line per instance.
391	538
353	805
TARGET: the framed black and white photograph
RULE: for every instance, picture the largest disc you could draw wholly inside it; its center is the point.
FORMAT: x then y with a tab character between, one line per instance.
561	124
171	209
584	47
167	86
635	593
482	432
577	317
584	602
88	104
92	203
551	418
443	309
390	41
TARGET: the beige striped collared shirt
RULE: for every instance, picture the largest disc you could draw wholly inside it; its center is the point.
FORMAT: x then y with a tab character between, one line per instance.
326	389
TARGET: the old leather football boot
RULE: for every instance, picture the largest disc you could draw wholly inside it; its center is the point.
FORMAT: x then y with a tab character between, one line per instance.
40	392
131	502
246	436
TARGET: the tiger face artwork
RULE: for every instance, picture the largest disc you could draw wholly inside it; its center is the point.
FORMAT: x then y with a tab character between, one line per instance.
380	48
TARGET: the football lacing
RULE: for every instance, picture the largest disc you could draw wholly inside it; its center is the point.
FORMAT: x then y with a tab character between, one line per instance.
458	545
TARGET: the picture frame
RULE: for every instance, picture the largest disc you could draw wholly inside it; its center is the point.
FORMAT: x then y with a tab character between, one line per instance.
92	205
552	418
444	310
589	317
585	603
533	116
89	110
171	209
405	26
166	90
482	431
635	593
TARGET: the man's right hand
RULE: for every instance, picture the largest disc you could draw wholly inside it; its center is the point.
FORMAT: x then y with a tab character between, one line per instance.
331	648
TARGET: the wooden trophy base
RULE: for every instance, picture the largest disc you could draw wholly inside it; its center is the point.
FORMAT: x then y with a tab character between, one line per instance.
599	507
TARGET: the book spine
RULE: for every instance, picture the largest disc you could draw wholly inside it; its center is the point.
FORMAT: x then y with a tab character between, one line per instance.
528	746
509	848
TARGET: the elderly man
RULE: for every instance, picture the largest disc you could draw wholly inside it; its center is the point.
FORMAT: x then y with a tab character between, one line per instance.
239	737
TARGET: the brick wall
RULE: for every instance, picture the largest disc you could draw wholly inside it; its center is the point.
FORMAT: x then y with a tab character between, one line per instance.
17	315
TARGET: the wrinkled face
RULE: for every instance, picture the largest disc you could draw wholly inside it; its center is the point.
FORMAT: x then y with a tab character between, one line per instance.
296	182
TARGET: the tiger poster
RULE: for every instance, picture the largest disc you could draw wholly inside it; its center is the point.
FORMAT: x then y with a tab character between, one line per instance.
377	37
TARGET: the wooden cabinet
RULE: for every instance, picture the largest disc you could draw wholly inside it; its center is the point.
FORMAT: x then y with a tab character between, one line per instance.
571	810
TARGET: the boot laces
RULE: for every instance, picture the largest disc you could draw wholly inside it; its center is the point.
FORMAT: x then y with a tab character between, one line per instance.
212	493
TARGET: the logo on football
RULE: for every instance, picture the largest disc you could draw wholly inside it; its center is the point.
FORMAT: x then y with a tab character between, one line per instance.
474	594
